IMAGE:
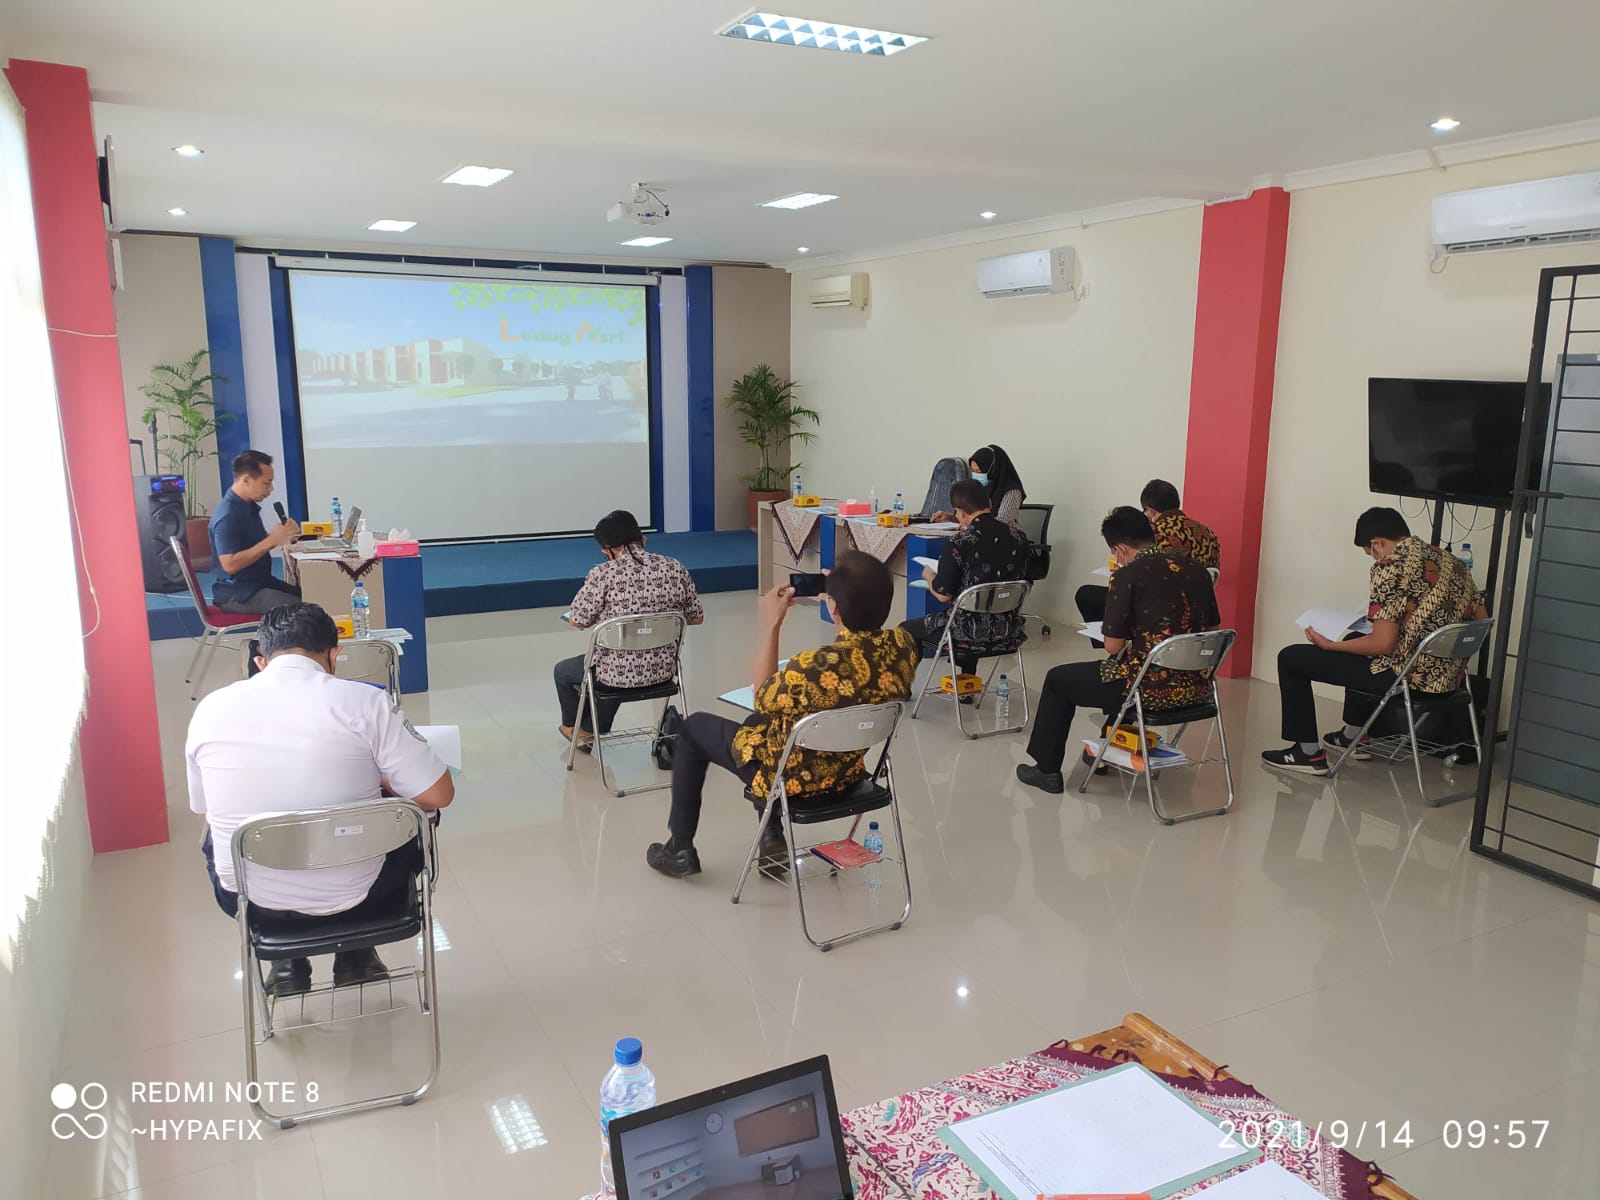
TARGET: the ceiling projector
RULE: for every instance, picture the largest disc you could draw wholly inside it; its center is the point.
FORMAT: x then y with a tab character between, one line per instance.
646	208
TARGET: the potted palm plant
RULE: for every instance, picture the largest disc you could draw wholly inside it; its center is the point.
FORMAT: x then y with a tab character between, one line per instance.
185	417
769	420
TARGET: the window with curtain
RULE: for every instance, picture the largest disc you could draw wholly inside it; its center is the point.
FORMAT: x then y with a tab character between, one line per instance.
41	630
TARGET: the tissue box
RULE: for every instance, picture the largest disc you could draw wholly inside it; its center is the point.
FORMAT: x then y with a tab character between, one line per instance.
964	685
345	626
317	528
855	508
807	501
892	519
401	549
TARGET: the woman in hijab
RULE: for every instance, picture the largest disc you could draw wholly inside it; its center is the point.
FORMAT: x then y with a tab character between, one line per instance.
992	467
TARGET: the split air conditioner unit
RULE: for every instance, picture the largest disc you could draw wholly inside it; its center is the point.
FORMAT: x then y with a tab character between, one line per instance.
1541	212
1031	273
840	291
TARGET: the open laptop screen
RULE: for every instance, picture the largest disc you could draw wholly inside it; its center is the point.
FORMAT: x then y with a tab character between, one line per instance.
749	1139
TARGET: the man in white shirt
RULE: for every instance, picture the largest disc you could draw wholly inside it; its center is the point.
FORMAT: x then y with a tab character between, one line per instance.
294	738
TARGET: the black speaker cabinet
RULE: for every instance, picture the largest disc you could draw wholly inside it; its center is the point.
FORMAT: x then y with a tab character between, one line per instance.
158	509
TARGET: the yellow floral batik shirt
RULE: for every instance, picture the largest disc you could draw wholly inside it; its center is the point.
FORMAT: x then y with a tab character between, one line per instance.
856	668
1422	588
1179	533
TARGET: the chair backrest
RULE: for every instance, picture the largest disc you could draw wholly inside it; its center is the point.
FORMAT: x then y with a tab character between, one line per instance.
858	727
1003	596
1034	521
181	553
1190	652
333	837
644	631
360	659
1459	641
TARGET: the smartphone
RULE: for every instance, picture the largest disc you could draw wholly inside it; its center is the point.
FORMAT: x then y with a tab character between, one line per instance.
806	584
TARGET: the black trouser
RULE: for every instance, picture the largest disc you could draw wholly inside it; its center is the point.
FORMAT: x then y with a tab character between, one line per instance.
1091	602
1066	689
1299	666
918	628
704	739
569	679
384	897
276	594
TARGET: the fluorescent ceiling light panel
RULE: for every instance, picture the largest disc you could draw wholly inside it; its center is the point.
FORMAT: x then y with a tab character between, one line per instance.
387	226
478	176
188	151
1445	125
802	249
177	212
646	241
820	35
988	216
799	200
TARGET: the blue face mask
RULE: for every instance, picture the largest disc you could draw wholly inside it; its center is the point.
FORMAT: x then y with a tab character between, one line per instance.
980	477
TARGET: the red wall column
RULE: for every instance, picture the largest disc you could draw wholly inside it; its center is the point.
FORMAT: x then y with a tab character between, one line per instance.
120	740
1242	246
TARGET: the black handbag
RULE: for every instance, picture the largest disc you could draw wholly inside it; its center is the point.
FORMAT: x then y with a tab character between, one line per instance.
666	735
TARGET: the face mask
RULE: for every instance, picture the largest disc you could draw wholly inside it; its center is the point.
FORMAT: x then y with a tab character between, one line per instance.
980	477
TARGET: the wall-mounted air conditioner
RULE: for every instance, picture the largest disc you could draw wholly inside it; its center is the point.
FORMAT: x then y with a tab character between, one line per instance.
1541	212
1031	273
840	291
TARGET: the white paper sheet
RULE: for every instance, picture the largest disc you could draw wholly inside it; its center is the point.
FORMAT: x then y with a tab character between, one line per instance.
1264	1181
919	583
1123	1131
320	556
938	525
1093	630
445	741
745	697
1103	572
922	560
1333	623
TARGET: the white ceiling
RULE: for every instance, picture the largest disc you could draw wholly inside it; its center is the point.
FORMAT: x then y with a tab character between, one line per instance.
319	117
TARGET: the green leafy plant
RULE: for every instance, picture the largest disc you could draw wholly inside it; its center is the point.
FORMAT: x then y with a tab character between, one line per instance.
186	419
770	420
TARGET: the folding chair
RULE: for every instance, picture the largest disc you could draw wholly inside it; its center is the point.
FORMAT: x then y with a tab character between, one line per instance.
853	730
649	631
1034	521
358	660
1005	596
1458	642
1198	652
216	623
306	841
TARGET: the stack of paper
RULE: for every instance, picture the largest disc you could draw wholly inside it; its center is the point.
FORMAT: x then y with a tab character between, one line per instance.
1335	624
1162	756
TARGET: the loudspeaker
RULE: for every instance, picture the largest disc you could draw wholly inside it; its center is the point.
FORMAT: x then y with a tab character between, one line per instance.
158	509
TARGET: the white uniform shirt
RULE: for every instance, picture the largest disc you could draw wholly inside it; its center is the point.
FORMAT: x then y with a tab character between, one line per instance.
295	738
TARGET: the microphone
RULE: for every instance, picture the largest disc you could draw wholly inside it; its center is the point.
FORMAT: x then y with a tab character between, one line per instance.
277	507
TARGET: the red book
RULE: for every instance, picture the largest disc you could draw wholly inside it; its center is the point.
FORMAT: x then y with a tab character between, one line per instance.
845	853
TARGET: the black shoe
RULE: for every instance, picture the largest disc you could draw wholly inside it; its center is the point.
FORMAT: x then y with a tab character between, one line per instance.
673	861
772	855
1088	761
1336	741
289	977
357	966
1045	781
1292	758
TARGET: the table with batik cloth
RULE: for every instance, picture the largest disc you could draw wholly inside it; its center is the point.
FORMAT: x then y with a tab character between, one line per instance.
896	1153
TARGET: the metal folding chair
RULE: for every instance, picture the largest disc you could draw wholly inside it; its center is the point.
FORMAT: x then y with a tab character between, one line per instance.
648	631
852	730
1034	521
308	841
216	624
1198	652
365	661
1458	642
1005	596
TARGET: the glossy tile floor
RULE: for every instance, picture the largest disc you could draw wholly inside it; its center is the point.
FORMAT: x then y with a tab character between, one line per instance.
1341	949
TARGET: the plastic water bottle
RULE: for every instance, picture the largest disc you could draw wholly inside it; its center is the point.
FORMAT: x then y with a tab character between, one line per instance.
1002	702
338	518
1466	556
798	490
899	504
873	842
628	1087
872	499
360	609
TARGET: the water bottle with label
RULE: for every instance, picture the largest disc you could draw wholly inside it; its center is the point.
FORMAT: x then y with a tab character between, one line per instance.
899	504
1466	556
798	490
628	1087
873	842
338	518
360	610
1002	701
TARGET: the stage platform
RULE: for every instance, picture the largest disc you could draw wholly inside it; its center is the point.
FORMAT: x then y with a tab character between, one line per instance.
495	577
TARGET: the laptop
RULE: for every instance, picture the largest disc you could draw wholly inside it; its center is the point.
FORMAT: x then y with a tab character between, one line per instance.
346	538
776	1134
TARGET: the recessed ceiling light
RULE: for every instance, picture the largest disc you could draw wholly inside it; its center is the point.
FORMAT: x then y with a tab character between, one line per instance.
177	212
1445	125
388	226
478	176
188	151
988	216
799	200
819	35
646	241
802	249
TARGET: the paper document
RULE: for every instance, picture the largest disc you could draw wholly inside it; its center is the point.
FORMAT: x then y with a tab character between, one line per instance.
1103	572
919	583
1162	756
321	556
922	560
938	525
1264	1181
1334	623
445	741
567	616
745	697
1121	1131
1093	630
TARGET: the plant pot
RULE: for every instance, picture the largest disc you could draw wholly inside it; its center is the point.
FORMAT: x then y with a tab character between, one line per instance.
198	536
756	499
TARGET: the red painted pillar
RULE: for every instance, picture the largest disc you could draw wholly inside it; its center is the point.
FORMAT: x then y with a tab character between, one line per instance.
1242	246
120	740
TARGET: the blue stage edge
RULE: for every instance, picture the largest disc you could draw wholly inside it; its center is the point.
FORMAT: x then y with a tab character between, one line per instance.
499	576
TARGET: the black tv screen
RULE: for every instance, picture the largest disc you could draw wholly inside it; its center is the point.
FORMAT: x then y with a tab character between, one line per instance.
1446	439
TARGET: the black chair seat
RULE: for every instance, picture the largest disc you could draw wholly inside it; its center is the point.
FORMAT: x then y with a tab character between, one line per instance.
1187	715
337	933
656	691
863	796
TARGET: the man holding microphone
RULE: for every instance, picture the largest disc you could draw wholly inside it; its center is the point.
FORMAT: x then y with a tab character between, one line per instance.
243	547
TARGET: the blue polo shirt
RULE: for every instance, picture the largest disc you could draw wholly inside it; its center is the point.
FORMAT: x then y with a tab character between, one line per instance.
235	526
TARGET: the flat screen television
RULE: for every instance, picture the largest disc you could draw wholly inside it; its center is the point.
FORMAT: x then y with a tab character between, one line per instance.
1447	439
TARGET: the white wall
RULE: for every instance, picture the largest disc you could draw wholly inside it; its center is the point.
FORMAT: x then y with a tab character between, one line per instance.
750	325
1089	397
1359	300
